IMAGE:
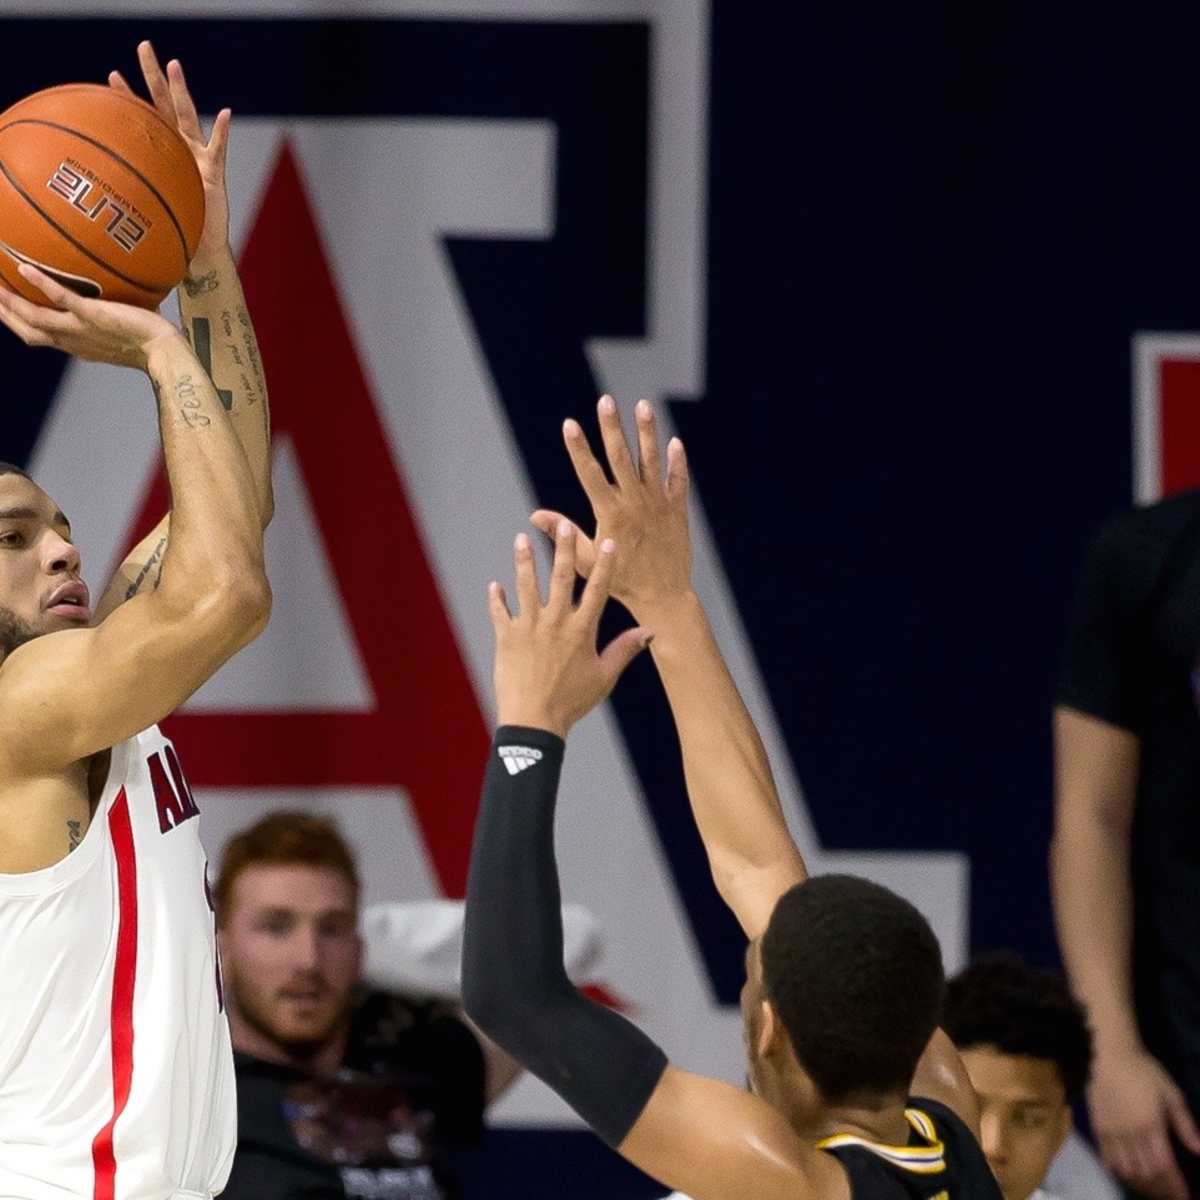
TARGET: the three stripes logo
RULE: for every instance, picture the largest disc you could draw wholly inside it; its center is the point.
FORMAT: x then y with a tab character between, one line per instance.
518	758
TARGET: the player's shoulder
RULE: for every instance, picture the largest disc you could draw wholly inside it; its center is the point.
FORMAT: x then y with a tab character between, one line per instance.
963	1155
1150	526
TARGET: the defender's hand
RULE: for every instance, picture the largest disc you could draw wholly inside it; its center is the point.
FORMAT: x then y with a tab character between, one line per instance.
1134	1105
98	330
547	671
645	513
170	96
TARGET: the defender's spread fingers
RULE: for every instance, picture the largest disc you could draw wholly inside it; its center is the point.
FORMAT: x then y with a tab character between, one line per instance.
591	604
562	574
529	600
587	470
615	446
649	462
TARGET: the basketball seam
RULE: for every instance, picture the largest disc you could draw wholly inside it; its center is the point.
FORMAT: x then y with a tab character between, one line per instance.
143	106
77	244
116	158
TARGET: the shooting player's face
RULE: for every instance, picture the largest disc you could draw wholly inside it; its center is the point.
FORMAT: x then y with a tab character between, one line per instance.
40	587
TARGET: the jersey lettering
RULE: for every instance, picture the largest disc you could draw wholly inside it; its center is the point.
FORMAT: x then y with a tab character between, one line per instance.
172	800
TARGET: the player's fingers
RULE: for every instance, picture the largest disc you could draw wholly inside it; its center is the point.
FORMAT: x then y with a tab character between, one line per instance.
1116	1156
591	603
548	521
54	291
649	462
498	607
23	330
616	448
621	651
529	600
1156	1168
218	142
562	573
186	115
1182	1121
117	81
156	82
678	476
587	470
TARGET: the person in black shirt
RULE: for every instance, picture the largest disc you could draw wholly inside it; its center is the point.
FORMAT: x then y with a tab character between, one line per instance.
342	1093
854	1091
1126	852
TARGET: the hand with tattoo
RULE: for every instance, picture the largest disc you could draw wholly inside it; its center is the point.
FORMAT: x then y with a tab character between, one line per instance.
171	97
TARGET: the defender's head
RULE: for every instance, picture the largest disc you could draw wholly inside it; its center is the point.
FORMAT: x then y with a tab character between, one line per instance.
287	914
40	587
1026	1046
842	996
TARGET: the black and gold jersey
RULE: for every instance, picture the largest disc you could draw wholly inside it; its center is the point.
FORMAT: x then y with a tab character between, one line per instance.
941	1160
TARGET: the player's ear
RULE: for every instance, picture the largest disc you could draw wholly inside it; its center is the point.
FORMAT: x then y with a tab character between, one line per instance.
770	1031
1066	1120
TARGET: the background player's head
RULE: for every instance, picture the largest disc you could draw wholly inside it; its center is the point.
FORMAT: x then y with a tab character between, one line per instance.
1025	1043
40	588
842	996
287	913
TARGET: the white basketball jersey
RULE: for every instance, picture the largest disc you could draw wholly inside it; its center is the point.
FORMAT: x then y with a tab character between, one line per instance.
116	1071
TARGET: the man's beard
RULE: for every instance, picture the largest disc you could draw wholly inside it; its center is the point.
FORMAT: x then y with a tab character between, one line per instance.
14	631
259	1017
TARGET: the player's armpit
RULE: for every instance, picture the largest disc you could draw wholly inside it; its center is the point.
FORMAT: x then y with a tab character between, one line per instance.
67	695
139	572
941	1076
716	1142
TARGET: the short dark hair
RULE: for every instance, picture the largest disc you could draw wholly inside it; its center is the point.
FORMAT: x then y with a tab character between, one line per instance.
855	973
999	1001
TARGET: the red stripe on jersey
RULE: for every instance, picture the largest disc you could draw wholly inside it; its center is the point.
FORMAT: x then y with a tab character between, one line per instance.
124	973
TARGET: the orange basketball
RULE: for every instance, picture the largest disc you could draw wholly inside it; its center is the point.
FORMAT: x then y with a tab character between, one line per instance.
98	191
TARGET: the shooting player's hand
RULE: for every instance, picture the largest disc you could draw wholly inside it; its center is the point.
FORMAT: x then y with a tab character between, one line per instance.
170	96
97	330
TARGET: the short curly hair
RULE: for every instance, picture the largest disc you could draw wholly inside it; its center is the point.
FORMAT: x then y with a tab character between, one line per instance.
999	1001
855	973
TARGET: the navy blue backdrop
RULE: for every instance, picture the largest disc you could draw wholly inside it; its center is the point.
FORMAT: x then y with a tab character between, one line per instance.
931	238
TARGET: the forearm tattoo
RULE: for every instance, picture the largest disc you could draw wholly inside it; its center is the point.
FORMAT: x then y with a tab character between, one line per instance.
202	345
198	285
191	407
151	564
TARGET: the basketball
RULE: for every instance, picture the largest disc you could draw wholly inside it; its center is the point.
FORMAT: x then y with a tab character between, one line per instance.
99	192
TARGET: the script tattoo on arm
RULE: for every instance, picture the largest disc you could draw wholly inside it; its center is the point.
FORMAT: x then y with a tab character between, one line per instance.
74	835
201	340
153	563
190	405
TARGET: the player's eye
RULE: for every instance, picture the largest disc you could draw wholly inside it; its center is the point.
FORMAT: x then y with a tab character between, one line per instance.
12	539
277	925
1029	1119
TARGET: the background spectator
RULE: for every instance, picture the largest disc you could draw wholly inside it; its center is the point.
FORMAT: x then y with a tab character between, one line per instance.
1126	859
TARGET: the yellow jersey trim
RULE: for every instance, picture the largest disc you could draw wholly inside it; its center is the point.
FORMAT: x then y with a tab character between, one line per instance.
921	1160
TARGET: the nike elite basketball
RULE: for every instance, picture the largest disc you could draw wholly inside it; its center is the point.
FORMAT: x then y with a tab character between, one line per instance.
98	191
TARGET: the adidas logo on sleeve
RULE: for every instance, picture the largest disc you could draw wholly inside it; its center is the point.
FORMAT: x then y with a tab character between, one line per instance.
519	758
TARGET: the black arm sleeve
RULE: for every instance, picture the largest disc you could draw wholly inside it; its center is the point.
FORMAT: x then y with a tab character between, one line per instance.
515	987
